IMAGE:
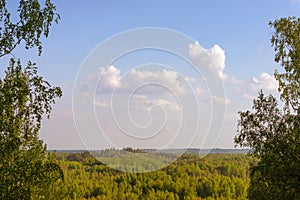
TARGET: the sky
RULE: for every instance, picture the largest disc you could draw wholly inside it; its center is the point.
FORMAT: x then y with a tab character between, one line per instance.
153	97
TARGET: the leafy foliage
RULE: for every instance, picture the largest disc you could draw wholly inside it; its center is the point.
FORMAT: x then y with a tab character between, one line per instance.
257	129
190	177
274	139
26	169
32	22
286	44
274	133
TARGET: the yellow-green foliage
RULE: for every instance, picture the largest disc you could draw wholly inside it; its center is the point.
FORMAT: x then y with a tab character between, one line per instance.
190	177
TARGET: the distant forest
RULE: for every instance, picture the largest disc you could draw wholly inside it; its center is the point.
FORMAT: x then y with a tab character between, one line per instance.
216	176
188	151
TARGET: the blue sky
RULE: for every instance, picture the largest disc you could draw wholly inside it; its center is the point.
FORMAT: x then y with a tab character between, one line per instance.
239	28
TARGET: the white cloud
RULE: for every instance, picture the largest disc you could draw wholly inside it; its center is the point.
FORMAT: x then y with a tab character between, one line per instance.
211	62
149	104
190	79
141	96
216	65
233	80
208	60
157	82
249	89
248	96
265	82
220	100
100	103
163	102
199	90
146	89
109	78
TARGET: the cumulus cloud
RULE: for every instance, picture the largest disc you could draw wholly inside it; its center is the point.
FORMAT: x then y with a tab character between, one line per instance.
142	102
264	81
159	82
233	80
155	82
211	62
100	103
199	90
190	79
248	89
208	60
144	89
220	100
248	96
110	77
